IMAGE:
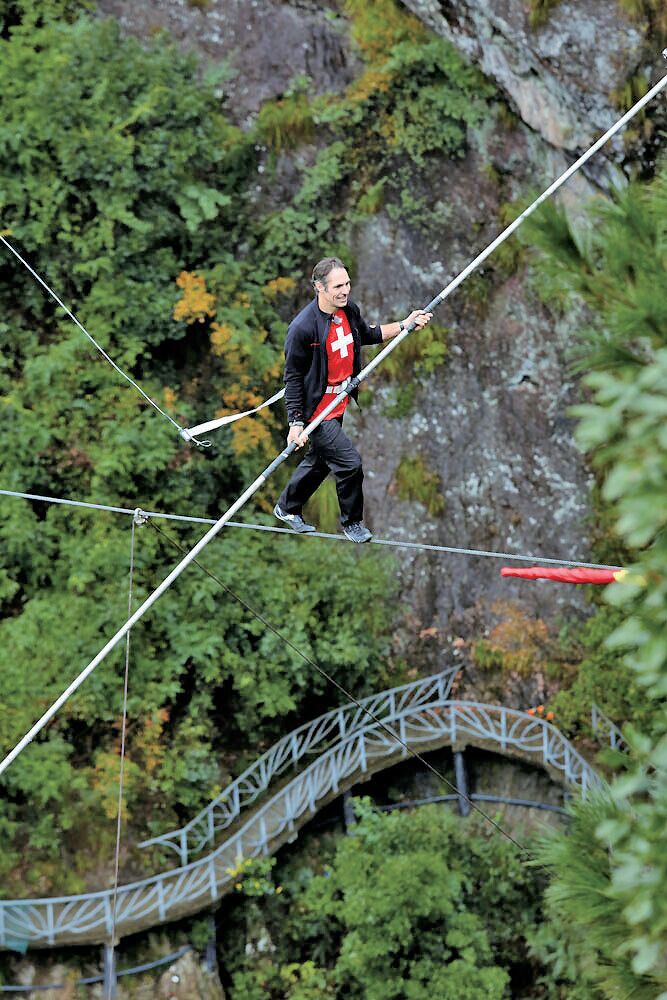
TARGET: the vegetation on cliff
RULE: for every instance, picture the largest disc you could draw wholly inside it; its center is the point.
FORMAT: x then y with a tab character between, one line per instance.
609	876
127	188
135	197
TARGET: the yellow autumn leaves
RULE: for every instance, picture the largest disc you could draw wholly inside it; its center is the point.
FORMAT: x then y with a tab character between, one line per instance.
235	333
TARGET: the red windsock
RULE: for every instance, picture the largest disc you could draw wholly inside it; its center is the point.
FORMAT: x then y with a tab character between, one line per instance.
562	574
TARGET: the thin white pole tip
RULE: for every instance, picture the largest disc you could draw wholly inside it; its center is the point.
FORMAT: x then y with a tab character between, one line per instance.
186	435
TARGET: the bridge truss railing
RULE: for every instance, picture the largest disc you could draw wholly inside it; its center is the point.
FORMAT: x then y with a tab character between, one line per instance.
604	728
187	889
311	738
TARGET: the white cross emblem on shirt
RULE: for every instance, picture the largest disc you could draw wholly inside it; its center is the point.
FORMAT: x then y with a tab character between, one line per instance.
342	340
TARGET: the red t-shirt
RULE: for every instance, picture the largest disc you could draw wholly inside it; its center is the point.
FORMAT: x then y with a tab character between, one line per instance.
340	360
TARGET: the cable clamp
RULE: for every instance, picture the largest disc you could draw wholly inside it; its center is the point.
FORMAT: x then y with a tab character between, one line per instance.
190	438
140	517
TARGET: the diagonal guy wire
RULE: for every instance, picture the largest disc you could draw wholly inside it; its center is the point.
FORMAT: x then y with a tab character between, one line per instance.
288	642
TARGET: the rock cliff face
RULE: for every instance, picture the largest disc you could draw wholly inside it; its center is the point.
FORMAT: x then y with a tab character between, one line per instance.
492	421
264	44
559	76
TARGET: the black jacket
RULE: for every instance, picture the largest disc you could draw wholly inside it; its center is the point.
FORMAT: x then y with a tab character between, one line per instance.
306	366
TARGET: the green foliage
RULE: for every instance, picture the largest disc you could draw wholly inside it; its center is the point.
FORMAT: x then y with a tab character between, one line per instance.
201	652
613	261
310	214
292	981
626	425
539	10
596	674
563	953
372	200
30	14
253	877
416	905
286	122
398	942
432	109
416	97
652	12
582	894
415	481
323	508
640	130
519	644
417	358
122	179
610	884
401	402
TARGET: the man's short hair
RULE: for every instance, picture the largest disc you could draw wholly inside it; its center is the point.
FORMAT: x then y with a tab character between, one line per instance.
324	267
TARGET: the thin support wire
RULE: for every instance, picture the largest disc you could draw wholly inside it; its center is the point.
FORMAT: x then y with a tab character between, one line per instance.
137	519
183	433
347	694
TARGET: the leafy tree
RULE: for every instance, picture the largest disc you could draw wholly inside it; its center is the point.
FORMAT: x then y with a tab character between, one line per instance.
590	672
619	272
29	14
415	905
123	180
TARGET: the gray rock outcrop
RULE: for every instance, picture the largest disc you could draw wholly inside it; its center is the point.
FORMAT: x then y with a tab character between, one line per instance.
264	44
560	76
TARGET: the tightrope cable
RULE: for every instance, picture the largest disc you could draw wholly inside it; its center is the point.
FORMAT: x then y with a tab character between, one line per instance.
291	448
339	687
274	529
183	433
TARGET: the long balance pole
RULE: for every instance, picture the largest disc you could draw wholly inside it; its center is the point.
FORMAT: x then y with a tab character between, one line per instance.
286	452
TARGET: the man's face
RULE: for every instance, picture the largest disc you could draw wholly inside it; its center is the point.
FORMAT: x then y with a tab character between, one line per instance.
334	294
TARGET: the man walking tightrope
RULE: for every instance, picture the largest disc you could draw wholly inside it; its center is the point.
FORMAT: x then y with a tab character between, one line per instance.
322	352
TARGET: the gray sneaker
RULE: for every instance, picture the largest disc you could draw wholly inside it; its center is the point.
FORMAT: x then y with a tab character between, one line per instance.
295	521
356	532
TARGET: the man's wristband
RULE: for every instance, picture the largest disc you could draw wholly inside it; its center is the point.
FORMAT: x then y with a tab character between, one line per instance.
296	423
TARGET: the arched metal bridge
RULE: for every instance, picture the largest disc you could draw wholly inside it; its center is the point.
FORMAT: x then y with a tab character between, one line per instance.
349	747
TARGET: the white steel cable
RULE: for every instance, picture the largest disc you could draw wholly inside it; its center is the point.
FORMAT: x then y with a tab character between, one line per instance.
513	226
584	158
249	525
268	471
183	433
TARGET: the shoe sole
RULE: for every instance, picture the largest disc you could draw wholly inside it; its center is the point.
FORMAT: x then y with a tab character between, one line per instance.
358	541
308	530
